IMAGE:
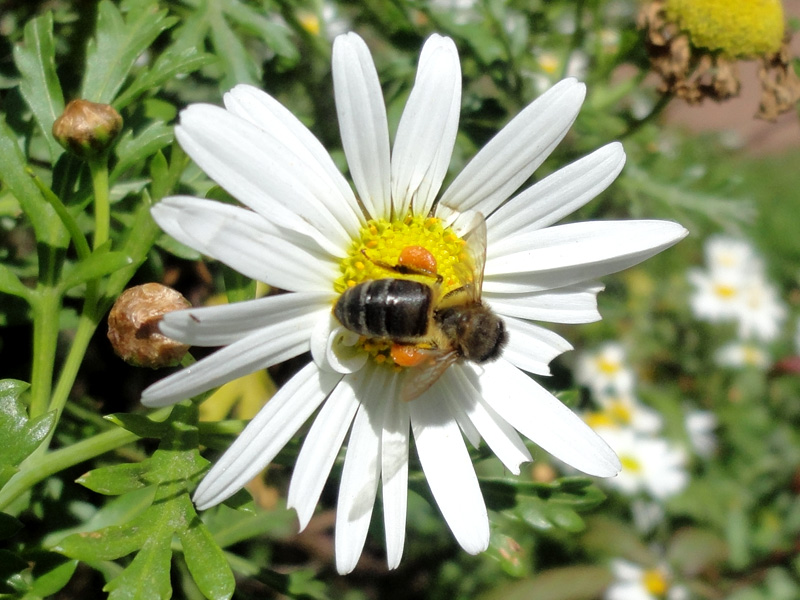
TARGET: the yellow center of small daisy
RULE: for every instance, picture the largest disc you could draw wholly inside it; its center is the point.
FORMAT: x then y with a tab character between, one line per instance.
630	463
655	582
739	29
381	243
608	366
725	291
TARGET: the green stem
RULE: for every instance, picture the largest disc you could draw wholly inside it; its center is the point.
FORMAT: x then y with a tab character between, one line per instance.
40	467
46	307
83	335
102	210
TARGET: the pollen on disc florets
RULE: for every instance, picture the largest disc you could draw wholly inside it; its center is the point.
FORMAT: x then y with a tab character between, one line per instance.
739	29
381	242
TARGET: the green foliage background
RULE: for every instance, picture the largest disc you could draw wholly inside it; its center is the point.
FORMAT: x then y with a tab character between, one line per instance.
95	491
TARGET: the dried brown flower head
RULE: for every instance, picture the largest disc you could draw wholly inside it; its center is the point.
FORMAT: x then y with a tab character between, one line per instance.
133	326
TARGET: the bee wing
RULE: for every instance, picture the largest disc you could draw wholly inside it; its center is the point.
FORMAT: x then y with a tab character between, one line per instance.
419	379
476	247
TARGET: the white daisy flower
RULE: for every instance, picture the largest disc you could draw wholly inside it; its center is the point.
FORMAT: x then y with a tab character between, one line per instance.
700	427
649	464
605	371
731	254
762	313
624	410
634	582
742	354
306	232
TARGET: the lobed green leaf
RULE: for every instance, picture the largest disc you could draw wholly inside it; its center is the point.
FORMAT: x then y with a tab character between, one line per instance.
205	559
118	43
35	60
147	577
46	225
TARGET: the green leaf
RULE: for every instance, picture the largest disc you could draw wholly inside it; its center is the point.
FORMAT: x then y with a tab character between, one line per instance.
174	61
51	572
35	60
46	225
173	468
119	510
567	583
693	551
206	561
276	36
132	150
100	263
10	565
10	284
117	479
139	424
118	43
21	435
239	67
108	543
147	577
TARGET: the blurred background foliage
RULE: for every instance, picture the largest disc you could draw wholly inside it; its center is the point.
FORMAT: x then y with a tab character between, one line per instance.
107	507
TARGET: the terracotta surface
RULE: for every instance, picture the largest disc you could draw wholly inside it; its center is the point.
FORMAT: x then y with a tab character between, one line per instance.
756	136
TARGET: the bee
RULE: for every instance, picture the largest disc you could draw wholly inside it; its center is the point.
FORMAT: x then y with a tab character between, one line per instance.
429	331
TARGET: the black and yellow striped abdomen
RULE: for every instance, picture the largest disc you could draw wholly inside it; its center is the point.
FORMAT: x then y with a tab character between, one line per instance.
396	309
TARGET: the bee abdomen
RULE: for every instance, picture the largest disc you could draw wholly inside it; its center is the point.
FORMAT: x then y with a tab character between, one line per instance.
389	308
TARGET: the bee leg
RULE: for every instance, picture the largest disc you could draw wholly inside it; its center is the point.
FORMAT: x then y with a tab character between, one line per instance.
402	269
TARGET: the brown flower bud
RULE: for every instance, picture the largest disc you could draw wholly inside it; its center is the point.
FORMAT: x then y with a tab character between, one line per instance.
133	326
87	129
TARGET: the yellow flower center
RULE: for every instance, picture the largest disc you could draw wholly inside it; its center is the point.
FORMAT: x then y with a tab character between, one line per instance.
380	246
620	412
738	29
630	463
599	419
725	291
607	366
655	582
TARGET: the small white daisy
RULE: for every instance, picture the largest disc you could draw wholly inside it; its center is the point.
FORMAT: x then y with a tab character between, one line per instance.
742	354
306	232
700	427
624	410
649	464
633	582
762	313
605	371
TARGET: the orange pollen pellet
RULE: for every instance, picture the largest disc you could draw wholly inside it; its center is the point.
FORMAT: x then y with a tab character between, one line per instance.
418	258
405	355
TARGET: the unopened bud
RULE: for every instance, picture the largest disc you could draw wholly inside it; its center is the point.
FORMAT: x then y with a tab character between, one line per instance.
133	326
87	129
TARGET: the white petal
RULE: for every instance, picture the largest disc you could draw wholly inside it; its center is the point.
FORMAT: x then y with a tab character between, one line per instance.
320	449
449	471
427	129
530	347
247	243
334	348
260	170
556	196
222	325
498	434
269	115
566	254
537	414
571	304
259	350
394	474
516	151
265	435
362	468
362	123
